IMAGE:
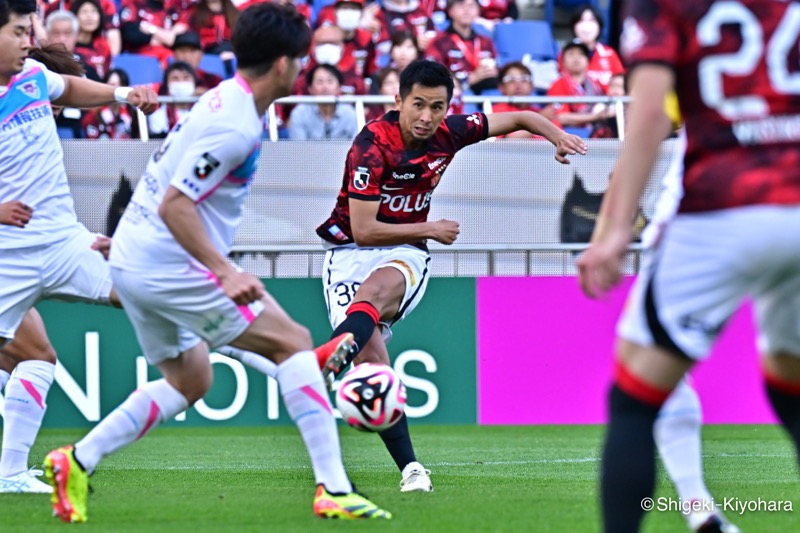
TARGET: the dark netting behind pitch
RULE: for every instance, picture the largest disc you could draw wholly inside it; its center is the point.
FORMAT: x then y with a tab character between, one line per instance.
504	193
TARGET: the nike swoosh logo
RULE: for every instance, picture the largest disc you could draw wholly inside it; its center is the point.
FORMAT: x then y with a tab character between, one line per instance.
385	188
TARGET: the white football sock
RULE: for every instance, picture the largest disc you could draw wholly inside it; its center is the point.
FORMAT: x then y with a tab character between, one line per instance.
4	377
306	399
143	410
253	360
677	435
26	393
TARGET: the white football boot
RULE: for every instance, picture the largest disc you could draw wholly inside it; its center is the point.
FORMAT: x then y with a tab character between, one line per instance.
416	479
25	482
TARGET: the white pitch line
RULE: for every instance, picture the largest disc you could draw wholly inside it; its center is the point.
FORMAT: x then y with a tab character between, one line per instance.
579	460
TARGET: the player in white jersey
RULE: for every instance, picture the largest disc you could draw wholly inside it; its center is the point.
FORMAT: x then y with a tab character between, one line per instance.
170	269
44	251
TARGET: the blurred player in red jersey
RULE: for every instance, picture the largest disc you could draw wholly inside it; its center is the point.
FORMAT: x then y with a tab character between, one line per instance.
737	231
376	267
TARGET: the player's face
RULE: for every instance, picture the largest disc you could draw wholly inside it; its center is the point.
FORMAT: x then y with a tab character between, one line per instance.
421	113
14	44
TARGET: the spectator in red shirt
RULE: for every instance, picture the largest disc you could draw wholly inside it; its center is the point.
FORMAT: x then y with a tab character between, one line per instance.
110	20
113	121
212	21
497	11
359	50
587	25
470	57
393	16
328	48
91	46
574	81
187	48
148	28
516	79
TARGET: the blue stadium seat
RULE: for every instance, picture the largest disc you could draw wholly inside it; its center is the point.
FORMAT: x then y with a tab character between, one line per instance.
213	64
516	39
141	69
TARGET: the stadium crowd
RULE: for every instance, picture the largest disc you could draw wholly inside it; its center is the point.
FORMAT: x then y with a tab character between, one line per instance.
359	48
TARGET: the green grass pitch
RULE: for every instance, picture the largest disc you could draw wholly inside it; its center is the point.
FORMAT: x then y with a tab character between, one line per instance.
490	479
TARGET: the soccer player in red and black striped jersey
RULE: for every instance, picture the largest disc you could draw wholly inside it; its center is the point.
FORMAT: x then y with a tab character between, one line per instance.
376	267
737	231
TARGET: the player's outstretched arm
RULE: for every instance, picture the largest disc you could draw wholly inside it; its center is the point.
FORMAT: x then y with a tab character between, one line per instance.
369	231
565	143
179	213
648	125
83	93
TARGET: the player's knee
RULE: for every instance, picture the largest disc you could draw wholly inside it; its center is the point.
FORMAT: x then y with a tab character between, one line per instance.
296	338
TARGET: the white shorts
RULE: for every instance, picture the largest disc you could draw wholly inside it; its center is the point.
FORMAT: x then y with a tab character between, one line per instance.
67	270
172	310
346	267
701	270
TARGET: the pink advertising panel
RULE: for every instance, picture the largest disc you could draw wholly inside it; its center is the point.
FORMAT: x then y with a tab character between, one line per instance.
545	357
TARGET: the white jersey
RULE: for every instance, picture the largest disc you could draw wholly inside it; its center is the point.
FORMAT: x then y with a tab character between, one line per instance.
31	165
210	156
671	194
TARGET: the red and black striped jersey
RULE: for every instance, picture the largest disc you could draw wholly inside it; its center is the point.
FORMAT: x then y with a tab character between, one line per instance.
738	84
379	168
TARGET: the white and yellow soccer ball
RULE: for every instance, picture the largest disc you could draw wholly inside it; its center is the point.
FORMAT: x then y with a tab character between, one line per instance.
371	397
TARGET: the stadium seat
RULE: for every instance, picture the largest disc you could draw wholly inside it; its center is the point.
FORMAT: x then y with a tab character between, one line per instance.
141	69
213	64
518	39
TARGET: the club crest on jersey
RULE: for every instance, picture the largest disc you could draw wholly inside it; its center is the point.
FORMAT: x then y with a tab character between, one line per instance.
30	88
205	166
361	178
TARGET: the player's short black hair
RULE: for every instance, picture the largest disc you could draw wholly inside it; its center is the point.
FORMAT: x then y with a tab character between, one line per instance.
267	31
19	7
428	74
335	72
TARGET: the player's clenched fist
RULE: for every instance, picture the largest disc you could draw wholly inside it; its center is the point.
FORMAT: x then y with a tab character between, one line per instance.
144	98
15	213
242	288
569	145
446	231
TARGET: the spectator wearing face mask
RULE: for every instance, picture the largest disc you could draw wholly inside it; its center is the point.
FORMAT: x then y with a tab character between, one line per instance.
179	81
359	50
328	49
587	26
323	121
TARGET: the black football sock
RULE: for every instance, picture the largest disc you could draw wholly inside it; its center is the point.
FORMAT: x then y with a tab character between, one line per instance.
628	470
398	441
362	317
787	407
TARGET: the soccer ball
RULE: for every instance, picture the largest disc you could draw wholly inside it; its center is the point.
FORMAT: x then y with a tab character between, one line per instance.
371	397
